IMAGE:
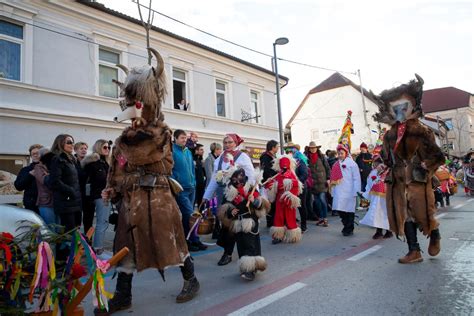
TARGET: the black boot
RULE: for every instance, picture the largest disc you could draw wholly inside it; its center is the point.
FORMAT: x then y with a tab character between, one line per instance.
122	297
343	216
414	252
349	224
378	234
191	285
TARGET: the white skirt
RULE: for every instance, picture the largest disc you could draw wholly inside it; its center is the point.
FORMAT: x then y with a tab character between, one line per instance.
377	214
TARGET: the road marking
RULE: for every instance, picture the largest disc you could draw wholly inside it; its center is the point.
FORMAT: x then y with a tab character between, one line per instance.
251	296
440	215
268	300
453	238
364	253
458	206
470	200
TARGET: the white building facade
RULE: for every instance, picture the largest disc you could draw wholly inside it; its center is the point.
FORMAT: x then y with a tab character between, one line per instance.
58	61
321	115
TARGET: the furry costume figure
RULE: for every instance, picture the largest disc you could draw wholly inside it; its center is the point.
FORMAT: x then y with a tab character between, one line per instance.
411	153
149	221
284	188
242	220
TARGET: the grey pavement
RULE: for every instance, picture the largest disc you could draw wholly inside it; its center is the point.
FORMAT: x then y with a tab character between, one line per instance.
330	284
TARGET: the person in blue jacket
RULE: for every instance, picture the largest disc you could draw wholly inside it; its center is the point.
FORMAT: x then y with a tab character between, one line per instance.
184	173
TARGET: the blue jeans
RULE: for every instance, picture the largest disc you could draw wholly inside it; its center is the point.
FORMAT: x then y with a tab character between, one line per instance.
185	200
48	215
320	200
102	213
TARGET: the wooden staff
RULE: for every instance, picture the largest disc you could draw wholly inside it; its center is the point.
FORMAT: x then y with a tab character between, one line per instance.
257	180
88	285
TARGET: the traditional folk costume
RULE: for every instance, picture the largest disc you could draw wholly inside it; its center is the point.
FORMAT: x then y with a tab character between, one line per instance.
240	217
149	221
376	215
345	180
222	167
345	184
284	188
411	153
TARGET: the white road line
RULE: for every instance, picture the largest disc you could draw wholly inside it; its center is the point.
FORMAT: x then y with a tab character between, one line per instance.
365	253
440	215
261	303
470	200
458	206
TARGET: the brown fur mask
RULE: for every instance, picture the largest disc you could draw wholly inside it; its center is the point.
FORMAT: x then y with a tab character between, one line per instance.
145	85
401	103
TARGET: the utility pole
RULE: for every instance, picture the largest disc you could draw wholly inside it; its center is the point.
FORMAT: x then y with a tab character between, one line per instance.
364	109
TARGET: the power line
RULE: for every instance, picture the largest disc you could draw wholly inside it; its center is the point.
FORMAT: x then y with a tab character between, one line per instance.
240	45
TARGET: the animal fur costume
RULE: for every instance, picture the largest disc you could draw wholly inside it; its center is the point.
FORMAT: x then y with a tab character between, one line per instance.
411	153
245	224
149	221
284	189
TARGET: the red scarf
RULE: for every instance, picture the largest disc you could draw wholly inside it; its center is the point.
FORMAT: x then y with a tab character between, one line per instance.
313	157
232	152
243	195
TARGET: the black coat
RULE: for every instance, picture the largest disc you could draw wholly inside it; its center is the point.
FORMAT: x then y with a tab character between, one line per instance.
96	170
64	182
364	161
26	182
266	163
200	173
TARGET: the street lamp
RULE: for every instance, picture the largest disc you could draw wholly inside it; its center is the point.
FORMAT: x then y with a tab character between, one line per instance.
279	41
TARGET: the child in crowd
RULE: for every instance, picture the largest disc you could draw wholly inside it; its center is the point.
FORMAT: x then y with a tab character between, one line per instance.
241	209
375	192
284	188
345	184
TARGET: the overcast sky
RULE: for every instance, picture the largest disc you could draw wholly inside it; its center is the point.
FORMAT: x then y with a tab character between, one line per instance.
387	40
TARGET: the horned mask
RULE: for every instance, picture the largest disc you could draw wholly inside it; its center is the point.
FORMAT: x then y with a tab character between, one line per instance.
142	92
399	104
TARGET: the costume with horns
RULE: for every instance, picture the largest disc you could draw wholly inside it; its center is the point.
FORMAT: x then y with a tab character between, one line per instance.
284	188
149	221
411	153
244	224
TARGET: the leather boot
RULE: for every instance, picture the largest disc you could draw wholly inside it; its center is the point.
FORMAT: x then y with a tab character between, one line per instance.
435	243
414	252
122	297
378	234
191	284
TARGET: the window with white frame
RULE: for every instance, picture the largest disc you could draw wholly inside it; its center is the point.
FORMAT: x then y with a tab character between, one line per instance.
180	97
11	42
315	134
254	106
221	98
107	72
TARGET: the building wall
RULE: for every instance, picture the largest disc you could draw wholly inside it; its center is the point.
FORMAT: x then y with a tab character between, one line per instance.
323	115
461	136
58	92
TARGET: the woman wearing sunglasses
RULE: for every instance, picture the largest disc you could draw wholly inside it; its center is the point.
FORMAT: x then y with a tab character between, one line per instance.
64	182
96	168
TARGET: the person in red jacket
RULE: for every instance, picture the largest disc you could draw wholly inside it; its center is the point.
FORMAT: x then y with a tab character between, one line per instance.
284	188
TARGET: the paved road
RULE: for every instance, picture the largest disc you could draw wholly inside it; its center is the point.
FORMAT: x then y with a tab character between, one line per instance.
328	274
